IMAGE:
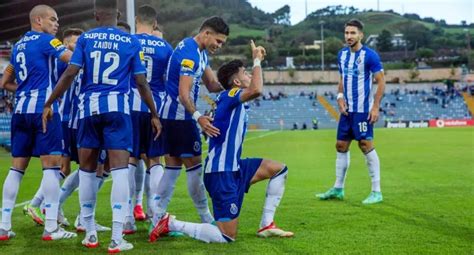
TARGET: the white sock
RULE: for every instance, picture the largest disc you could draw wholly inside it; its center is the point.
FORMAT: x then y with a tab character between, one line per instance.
139	182
165	191
149	195
10	190
87	198
69	185
51	189
156	174
119	200
131	184
38	198
275	190
373	163
343	160
198	192
201	231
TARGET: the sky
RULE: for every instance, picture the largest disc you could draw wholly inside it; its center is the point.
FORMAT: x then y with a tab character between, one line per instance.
453	11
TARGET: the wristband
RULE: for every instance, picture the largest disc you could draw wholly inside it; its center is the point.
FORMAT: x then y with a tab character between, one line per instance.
339	96
257	62
196	115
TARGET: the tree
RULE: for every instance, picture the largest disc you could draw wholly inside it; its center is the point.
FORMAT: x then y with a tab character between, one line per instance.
424	53
416	34
384	41
282	15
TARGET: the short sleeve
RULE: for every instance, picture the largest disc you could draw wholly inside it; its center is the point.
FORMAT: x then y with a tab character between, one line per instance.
233	96
188	64
77	58
138	58
375	65
53	46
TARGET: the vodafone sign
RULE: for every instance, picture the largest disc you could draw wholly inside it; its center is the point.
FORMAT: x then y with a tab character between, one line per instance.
451	123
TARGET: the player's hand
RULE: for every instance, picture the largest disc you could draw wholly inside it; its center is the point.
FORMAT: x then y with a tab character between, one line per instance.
156	125
47	116
257	51
342	106
207	127
374	115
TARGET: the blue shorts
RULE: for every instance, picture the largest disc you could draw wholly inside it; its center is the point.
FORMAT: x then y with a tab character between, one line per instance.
181	138
28	139
227	189
355	126
69	142
108	131
143	136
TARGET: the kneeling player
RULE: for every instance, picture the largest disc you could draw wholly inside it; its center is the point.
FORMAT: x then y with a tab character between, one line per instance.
227	177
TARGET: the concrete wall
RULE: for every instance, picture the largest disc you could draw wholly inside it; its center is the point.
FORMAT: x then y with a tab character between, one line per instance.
393	76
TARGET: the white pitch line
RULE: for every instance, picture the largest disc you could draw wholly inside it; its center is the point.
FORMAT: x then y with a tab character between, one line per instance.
110	179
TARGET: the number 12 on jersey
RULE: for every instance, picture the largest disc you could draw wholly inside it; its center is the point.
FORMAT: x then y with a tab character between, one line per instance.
108	57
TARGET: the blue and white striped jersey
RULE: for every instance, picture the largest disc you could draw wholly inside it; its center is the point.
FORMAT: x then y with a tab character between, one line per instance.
187	59
33	58
357	70
231	119
157	52
109	57
75	90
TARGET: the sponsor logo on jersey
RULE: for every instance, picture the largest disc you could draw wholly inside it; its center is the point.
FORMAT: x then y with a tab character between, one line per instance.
187	65
233	92
56	43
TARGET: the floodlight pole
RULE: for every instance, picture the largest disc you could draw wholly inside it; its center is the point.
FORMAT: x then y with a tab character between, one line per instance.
322	44
131	15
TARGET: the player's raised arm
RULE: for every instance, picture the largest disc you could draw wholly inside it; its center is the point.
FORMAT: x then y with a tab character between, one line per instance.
210	80
255	88
145	92
185	85
8	79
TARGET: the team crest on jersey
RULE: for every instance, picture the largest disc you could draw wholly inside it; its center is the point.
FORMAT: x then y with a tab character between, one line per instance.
197	146
233	209
56	43
187	64
358	61
233	92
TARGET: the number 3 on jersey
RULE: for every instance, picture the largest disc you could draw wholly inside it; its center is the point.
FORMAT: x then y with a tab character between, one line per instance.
108	57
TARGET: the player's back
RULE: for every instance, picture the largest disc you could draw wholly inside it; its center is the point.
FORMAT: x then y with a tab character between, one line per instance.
156	52
357	70
109	58
231	119
187	60
33	58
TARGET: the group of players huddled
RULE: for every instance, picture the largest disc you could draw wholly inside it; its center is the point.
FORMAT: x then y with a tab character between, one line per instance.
119	98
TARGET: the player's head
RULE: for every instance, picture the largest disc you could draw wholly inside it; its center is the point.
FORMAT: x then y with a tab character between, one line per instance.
353	32
233	74
146	15
43	18
106	12
124	26
214	33
70	37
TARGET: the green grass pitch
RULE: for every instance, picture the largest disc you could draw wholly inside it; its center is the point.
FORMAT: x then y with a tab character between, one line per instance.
427	183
